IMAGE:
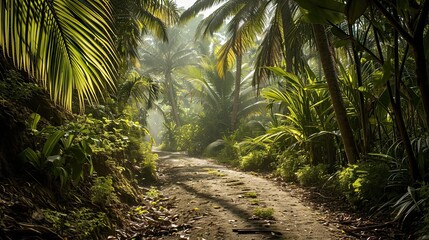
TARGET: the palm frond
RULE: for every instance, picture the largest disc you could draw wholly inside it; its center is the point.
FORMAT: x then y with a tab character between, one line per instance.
197	7
65	45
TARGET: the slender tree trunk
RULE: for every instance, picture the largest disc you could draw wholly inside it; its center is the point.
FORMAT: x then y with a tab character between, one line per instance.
416	41
172	99
422	75
399	119
413	167
418	46
363	113
236	101
335	93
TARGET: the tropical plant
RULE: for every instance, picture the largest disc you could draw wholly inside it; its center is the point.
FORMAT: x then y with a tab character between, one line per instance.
102	191
135	18
61	158
55	43
247	21
164	59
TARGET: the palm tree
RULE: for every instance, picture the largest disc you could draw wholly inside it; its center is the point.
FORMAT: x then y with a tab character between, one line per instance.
216	95
134	19
335	93
141	90
249	20
242	34
166	58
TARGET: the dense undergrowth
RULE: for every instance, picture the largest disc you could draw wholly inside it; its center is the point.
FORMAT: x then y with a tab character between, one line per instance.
75	177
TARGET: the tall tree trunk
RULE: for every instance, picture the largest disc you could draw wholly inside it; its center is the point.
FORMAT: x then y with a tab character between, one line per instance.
172	98
335	93
236	101
418	46
422	75
413	166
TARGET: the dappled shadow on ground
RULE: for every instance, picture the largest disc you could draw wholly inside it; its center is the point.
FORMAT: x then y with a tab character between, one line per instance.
210	197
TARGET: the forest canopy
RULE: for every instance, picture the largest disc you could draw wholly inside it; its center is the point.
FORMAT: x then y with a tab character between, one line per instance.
325	93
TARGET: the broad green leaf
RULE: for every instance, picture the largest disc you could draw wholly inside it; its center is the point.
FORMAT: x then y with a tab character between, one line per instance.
52	143
32	157
355	9
53	159
322	11
282	73
34	120
338	32
316	86
278	71
67	142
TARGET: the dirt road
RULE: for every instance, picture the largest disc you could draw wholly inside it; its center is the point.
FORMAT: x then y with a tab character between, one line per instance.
219	203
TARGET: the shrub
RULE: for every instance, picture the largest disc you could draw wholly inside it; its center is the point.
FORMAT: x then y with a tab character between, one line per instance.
188	139
346	178
102	191
289	163
169	142
364	182
225	150
229	154
146	162
80	223
312	175
257	160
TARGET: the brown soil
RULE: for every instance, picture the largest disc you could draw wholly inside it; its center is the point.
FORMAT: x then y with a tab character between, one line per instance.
215	202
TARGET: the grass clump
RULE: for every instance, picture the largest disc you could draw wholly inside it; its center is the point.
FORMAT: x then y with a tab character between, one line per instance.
264	213
214	172
251	195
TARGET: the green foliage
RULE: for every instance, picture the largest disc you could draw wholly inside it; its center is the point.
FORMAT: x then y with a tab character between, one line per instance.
187	139
103	192
62	158
251	194
79	31
364	182
346	178
81	223
289	162
414	200
413	206
265	213
13	88
225	150
253	161
257	156
67	150
169	134
152	193
145	161
312	175
302	118
423	232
